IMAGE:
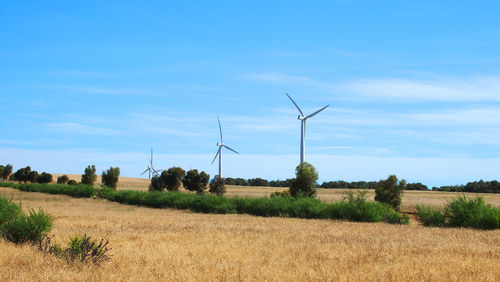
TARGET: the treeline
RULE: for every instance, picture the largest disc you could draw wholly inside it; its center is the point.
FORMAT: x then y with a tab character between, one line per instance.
326	184
257	182
472	187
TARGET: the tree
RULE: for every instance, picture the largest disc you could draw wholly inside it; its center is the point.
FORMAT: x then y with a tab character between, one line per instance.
110	177
72	182
304	183
63	179
157	183
44	178
217	186
389	191
1	171
194	181
89	177
7	171
23	174
416	186
173	179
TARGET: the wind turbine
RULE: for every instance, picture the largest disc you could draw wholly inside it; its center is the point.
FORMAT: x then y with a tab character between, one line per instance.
150	167
303	119
219	151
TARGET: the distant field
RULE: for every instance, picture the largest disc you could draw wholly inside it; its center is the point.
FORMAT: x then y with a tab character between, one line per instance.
163	244
410	198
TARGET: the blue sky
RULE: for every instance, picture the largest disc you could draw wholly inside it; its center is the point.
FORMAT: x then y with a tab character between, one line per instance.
413	87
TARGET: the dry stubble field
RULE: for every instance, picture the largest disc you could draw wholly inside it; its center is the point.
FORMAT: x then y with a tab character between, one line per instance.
164	244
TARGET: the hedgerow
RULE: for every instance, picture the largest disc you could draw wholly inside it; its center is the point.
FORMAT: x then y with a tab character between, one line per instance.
307	207
275	206
77	191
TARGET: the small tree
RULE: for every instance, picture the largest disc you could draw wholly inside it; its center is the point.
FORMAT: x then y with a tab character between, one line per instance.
110	177
304	183
44	178
217	186
89	177
63	179
173	179
194	181
7	171
389	191
72	182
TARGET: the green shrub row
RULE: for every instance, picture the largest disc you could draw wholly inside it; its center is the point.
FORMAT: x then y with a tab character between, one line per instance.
351	210
274	206
462	212
18	227
77	191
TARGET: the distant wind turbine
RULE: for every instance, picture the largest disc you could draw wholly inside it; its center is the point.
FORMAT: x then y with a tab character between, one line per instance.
150	167
303	119
219	151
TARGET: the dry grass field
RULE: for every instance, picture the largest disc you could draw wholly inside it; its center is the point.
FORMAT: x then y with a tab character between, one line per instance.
163	244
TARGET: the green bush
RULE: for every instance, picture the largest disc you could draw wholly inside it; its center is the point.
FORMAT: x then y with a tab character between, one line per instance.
217	186
17	227
105	192
304	183
462	212
389	191
110	177
73	182
63	179
89	177
430	216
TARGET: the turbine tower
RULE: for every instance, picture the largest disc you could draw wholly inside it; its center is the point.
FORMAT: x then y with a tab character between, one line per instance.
150	167
303	119
219	151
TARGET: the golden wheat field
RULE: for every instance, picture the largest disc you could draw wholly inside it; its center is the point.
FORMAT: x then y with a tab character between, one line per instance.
165	245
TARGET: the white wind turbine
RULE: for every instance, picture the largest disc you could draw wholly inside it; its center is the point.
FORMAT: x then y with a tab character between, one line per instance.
219	151
150	166
303	119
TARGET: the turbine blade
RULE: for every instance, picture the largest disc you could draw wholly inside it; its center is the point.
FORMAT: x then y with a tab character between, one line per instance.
218	152
227	147
151	155
316	112
300	111
220	129
145	171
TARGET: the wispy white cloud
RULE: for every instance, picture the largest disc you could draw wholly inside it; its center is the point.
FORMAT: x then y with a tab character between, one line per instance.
455	89
445	90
